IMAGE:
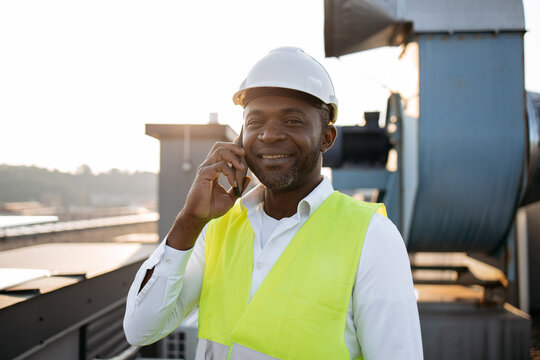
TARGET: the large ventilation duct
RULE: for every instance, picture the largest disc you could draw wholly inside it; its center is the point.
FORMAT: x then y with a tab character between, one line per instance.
463	143
472	141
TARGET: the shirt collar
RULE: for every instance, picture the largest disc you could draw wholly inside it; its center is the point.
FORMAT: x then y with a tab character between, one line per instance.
306	206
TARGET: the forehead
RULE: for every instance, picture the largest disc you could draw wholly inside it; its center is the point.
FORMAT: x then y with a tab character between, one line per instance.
279	104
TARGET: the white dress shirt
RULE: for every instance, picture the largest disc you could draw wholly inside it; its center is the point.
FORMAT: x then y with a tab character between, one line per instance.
382	319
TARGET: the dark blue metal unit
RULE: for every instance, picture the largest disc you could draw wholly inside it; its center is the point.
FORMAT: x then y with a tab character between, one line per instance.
373	178
531	182
471	140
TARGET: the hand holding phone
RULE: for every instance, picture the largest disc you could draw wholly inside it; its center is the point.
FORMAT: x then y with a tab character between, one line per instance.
207	198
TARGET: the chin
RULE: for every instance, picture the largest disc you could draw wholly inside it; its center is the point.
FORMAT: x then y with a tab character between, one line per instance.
277	182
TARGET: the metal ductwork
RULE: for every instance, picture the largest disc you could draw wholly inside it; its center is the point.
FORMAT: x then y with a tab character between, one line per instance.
355	25
366	145
468	155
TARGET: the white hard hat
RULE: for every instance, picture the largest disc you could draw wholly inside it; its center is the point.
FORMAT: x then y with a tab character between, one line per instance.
290	68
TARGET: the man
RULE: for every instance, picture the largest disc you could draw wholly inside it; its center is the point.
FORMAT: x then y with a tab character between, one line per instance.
292	270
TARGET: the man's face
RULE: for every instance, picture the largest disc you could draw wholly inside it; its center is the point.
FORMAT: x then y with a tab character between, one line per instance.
283	139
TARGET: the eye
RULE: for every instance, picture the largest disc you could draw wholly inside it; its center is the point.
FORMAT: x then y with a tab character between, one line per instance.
294	121
254	122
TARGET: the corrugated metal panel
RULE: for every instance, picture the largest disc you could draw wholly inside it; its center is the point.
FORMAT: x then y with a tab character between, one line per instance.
105	337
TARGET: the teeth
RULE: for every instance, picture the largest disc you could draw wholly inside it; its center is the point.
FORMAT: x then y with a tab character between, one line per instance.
274	156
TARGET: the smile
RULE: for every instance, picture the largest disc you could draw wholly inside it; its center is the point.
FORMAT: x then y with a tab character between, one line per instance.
274	156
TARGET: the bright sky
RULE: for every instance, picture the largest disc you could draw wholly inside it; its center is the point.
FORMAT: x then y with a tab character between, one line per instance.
78	80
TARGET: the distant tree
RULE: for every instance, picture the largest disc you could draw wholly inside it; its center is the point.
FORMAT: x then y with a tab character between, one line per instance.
83	170
30	183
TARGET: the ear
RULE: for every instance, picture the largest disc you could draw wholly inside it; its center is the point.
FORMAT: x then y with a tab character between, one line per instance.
328	136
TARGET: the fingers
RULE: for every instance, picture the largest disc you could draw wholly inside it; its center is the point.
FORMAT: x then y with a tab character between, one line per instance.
207	198
227	159
230	153
234	147
211	172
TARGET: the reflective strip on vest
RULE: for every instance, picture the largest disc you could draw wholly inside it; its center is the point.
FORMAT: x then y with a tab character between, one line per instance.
300	309
211	350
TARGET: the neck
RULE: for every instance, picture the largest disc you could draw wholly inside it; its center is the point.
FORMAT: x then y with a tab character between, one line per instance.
284	203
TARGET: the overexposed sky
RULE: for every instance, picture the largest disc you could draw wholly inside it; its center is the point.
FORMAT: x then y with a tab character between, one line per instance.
78	80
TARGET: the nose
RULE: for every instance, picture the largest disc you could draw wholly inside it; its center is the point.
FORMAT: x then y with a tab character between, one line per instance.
271	132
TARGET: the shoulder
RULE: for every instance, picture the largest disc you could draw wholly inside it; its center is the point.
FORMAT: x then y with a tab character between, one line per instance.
384	245
381	224
344	206
339	199
384	233
384	270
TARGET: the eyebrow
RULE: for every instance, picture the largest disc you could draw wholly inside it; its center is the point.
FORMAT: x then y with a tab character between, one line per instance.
291	109
254	112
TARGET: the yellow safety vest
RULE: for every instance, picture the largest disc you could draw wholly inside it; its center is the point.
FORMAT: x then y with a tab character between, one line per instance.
300	309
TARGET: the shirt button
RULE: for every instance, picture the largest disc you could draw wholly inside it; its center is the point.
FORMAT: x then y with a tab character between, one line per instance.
168	261
259	266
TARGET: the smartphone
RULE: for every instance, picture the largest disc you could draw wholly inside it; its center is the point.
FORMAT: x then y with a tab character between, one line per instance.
240	175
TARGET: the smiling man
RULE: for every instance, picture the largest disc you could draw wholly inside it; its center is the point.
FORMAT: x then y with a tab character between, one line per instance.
293	269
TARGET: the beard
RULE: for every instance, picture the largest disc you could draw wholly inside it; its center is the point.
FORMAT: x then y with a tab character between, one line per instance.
279	180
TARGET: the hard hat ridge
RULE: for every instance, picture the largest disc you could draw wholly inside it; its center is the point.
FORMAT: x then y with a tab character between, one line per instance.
289	68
